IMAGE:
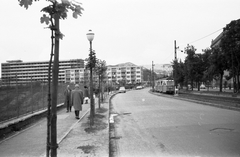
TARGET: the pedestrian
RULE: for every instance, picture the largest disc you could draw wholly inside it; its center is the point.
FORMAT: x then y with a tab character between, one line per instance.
67	102
77	100
86	94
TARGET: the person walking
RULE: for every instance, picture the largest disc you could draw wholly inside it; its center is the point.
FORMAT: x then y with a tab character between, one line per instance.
77	100
67	102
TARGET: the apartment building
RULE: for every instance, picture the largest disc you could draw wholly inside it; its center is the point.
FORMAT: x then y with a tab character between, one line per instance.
19	72
127	72
79	76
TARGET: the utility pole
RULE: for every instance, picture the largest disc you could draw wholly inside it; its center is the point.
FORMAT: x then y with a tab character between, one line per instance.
175	71
152	76
175	50
175	59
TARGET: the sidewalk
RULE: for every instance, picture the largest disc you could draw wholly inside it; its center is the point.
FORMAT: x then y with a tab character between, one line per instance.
75	137
8	126
83	140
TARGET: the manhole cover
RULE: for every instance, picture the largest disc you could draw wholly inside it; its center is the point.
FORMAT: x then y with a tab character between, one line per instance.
86	149
125	113
221	130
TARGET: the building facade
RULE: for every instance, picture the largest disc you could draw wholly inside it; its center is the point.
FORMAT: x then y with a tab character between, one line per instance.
19	72
79	76
129	73
216	42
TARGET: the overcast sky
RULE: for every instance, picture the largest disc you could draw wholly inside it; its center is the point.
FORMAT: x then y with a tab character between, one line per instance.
137	31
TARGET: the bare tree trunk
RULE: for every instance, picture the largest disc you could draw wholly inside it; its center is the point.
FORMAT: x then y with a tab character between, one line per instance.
99	94
221	79
238	83
55	90
192	84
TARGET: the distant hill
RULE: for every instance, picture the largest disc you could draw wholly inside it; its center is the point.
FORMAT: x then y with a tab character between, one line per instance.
159	66
162	69
123	64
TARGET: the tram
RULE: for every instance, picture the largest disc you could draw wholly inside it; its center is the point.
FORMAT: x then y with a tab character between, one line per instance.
164	86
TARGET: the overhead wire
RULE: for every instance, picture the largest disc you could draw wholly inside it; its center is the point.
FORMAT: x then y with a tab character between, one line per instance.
178	49
203	37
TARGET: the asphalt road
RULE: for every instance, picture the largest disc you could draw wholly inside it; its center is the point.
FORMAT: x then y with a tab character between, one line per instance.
31	142
150	125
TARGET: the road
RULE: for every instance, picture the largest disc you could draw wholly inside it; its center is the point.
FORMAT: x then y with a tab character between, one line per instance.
32	141
150	125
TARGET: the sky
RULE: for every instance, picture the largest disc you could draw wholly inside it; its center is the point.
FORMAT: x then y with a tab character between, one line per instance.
136	31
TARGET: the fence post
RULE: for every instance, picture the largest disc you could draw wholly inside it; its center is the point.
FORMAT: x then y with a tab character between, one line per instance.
17	97
42	96
31	95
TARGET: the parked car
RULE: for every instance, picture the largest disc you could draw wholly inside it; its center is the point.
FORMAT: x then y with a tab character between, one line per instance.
122	90
202	86
139	87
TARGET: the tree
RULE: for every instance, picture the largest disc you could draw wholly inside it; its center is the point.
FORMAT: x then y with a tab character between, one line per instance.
52	14
101	69
219	64
209	66
230	45
189	64
178	70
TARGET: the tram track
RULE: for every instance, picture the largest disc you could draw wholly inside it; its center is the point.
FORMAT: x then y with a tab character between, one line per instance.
221	100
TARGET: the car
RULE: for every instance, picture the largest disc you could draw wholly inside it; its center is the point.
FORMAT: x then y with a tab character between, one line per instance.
139	87
122	90
202	86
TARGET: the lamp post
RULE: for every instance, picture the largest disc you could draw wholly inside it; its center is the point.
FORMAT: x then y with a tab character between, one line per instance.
90	36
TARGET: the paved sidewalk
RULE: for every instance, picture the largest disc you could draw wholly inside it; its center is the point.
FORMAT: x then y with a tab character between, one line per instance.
84	140
31	141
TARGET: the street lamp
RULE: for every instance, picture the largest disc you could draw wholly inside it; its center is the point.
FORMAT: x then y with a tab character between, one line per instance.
90	37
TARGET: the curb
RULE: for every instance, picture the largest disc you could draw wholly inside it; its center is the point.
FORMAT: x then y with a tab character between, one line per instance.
111	132
72	127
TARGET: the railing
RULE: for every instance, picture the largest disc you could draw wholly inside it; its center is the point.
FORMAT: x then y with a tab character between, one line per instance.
25	99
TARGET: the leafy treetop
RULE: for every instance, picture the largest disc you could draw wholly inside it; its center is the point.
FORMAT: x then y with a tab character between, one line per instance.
59	7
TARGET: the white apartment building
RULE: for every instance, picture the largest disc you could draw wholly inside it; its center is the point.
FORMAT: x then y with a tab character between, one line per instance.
129	73
19	72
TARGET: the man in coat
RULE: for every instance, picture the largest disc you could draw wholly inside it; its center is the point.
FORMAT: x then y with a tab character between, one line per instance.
77	100
67	102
